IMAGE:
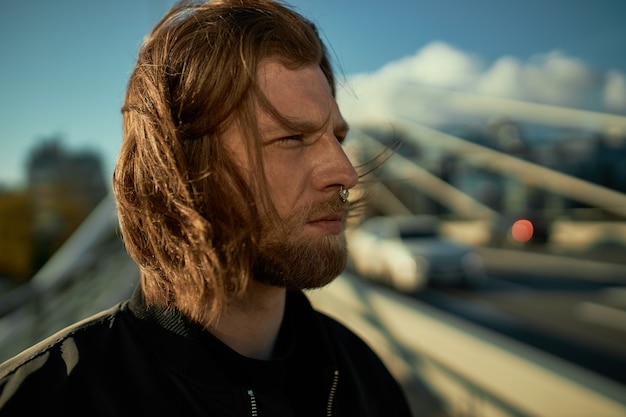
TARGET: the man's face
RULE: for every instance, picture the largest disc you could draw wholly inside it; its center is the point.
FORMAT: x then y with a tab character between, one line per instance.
305	168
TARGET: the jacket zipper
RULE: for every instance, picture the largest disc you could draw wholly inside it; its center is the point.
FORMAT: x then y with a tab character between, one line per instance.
331	394
253	410
329	405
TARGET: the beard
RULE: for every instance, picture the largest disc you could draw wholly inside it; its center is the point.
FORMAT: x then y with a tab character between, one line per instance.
290	260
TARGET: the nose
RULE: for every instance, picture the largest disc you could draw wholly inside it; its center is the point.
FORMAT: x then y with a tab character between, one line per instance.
334	168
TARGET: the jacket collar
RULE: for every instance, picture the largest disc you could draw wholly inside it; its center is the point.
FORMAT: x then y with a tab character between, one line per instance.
302	331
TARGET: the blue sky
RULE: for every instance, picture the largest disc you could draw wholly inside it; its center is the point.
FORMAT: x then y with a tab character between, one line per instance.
65	64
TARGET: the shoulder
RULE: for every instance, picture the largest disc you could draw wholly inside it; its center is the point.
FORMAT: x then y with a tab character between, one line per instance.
59	354
79	330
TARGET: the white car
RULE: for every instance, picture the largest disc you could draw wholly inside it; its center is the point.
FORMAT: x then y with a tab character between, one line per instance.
408	253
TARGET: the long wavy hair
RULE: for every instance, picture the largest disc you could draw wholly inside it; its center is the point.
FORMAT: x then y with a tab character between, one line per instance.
187	216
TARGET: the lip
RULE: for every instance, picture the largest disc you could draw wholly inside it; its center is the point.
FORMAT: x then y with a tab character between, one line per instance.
331	223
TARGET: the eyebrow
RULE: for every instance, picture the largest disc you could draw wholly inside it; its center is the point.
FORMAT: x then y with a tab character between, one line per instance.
303	126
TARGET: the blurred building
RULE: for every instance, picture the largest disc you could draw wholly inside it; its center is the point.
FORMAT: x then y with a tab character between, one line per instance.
64	187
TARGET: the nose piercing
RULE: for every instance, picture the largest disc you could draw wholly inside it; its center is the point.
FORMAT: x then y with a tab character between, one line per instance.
343	194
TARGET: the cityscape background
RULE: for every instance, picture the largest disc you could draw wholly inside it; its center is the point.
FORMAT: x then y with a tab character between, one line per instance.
61	124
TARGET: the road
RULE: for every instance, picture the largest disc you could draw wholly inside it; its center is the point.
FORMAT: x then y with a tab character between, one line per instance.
570	307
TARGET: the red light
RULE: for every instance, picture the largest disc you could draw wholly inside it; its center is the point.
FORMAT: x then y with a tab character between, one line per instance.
522	230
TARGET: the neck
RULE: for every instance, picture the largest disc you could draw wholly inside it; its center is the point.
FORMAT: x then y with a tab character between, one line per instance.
250	324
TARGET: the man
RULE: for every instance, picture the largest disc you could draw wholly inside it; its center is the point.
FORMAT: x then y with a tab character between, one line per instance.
232	194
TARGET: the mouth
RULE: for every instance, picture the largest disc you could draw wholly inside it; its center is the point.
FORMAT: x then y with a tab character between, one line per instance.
331	223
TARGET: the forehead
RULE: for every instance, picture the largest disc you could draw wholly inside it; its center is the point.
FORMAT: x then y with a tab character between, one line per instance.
301	95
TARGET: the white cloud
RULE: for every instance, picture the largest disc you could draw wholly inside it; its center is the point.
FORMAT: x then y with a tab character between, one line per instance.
503	79
551	78
375	97
414	84
554	78
437	65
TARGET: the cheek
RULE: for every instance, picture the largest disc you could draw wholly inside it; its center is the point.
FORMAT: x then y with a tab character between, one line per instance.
287	184
281	193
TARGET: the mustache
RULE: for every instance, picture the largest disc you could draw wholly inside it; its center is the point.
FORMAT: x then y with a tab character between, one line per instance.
316	210
331	205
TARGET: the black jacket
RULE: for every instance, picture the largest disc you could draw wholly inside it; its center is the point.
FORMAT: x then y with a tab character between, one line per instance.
138	360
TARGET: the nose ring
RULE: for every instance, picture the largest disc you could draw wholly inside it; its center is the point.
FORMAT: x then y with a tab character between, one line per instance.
343	194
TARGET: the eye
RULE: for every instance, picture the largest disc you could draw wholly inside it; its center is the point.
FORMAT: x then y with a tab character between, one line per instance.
297	137
290	139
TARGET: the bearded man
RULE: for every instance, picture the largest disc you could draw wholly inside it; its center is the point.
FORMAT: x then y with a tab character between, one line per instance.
232	191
